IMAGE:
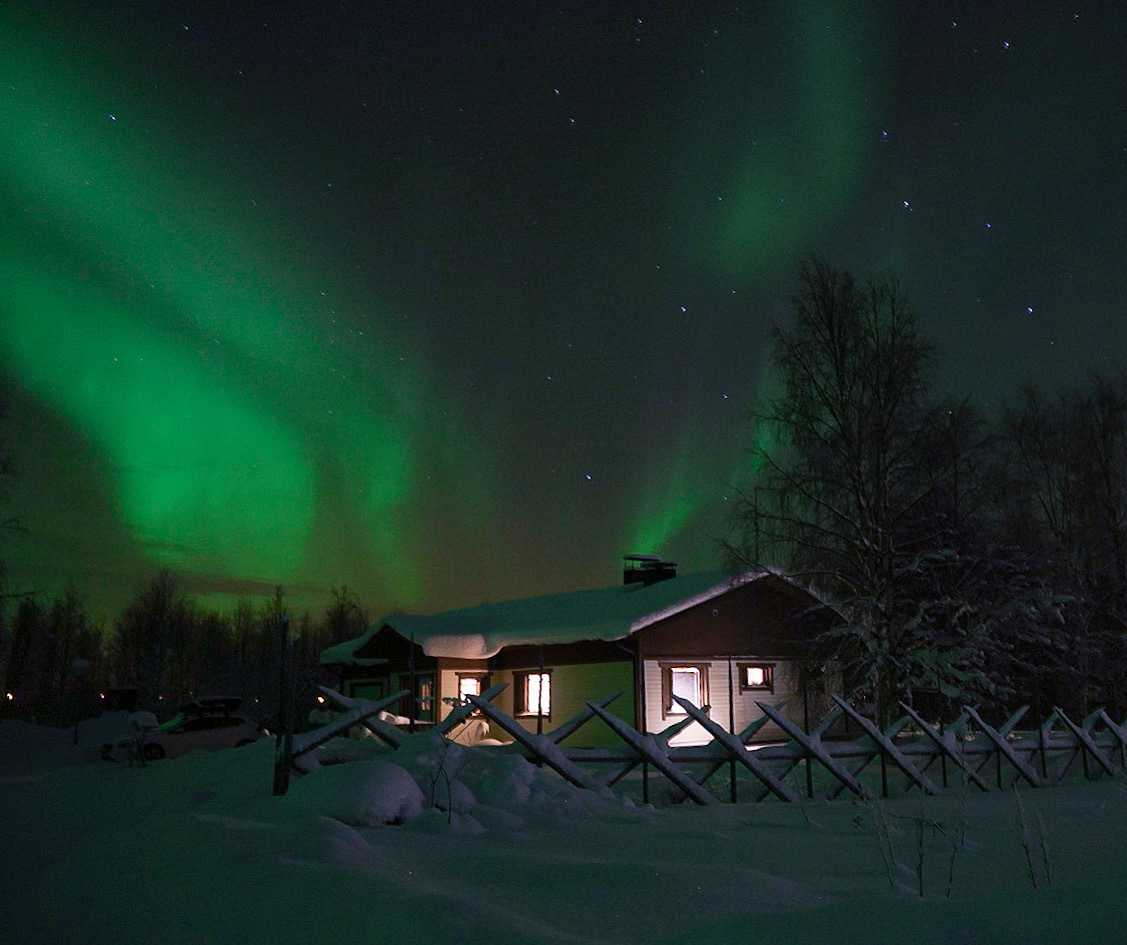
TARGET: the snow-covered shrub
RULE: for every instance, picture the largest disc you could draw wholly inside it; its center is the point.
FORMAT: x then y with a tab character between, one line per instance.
360	793
467	787
436	764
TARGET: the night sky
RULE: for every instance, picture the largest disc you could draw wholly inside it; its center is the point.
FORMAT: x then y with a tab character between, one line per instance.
452	302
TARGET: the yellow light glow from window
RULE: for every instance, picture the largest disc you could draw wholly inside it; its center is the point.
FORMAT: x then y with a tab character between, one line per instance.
538	692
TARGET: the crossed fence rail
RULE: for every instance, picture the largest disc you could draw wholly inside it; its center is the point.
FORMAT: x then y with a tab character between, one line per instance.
917	754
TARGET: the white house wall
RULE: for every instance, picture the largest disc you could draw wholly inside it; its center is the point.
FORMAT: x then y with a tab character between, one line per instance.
572	686
786	688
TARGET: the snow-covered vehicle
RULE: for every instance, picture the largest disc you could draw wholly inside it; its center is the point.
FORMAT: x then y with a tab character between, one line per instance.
204	725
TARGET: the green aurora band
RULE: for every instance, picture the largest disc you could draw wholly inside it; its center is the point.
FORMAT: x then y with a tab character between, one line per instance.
786	178
151	304
148	319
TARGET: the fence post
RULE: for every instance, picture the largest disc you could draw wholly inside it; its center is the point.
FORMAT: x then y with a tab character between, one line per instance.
540	694
1041	751
805	670
412	685
283	752
943	755
732	729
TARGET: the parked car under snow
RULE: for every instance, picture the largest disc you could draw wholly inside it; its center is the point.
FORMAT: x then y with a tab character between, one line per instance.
203	725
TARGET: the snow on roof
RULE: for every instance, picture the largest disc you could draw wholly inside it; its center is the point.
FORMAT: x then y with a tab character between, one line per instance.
606	614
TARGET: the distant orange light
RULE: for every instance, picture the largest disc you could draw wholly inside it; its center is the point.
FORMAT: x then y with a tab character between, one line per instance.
10	696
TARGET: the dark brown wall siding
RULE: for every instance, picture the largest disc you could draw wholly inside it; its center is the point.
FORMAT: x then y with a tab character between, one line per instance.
585	651
766	618
389	645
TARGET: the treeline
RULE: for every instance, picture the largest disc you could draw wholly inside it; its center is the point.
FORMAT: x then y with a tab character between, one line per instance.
57	663
974	557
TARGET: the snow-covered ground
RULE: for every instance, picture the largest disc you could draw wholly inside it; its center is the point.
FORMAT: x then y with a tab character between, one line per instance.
198	850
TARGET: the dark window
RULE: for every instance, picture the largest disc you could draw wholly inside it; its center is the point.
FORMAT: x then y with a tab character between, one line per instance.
371	689
757	676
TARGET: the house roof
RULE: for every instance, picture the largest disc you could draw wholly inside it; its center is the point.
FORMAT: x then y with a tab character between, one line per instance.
607	614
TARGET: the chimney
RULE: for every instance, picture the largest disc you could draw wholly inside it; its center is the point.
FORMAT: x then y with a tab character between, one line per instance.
646	569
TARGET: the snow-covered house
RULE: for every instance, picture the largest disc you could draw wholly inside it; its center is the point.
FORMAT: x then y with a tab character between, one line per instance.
720	640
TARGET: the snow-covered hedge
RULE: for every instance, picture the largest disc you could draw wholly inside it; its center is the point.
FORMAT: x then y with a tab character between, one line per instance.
471	788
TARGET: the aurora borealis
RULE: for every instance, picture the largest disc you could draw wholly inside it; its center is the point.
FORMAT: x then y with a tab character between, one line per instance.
455	302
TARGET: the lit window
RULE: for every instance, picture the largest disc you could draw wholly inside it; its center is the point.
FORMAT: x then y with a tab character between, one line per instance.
760	676
687	680
470	685
533	693
685	683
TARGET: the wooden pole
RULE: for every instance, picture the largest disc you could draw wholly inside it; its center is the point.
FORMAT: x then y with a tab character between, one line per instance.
1041	750
540	695
413	699
757	558
283	752
805	670
732	729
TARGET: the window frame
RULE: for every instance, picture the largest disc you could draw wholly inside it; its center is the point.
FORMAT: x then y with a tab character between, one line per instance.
415	699
768	671
668	709
520	693
482	684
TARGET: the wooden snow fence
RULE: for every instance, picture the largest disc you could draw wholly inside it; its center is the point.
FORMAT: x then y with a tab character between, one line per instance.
911	753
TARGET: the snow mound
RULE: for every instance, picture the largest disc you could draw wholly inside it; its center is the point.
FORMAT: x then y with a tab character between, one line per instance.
108	727
360	793
465	788
27	747
327	841
23	738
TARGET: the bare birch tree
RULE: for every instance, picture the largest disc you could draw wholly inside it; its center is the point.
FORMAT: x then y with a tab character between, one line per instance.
850	457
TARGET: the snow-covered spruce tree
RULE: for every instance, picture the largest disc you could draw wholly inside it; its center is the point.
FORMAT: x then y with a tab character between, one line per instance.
859	484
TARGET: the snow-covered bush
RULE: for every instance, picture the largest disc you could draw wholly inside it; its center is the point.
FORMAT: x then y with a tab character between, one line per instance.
360	793
472	787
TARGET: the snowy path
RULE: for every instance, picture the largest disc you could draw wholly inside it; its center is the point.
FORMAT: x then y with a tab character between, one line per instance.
197	851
